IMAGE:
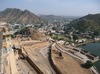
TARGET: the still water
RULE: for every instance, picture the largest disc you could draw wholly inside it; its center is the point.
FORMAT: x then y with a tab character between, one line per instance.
95	49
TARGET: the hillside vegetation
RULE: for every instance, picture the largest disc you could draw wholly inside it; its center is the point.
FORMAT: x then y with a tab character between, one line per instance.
88	23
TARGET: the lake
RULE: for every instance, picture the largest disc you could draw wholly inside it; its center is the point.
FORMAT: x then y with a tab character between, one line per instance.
95	49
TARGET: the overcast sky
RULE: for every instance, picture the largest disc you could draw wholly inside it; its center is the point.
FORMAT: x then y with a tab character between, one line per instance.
55	7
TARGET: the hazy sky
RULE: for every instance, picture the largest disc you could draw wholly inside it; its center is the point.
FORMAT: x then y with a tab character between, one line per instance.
56	7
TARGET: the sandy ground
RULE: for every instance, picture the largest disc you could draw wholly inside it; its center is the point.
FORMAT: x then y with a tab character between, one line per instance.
68	65
24	67
37	57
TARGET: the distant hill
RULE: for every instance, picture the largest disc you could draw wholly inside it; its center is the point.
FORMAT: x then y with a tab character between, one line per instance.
55	17
89	22
17	15
50	17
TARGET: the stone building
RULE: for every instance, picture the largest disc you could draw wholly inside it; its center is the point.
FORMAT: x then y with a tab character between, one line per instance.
7	58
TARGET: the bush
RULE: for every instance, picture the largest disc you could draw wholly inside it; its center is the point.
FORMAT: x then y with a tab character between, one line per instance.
75	37
88	64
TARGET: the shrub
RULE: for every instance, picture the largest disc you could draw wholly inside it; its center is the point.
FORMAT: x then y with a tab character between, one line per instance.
88	64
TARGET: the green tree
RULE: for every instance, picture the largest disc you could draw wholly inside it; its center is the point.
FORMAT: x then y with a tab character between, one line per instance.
75	37
88	64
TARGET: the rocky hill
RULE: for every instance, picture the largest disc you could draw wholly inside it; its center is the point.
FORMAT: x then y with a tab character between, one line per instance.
16	15
90	23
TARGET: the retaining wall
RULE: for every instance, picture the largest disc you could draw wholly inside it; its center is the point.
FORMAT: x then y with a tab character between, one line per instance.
53	64
33	65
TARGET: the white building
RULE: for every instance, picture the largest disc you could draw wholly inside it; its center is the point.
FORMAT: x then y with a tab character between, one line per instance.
81	40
